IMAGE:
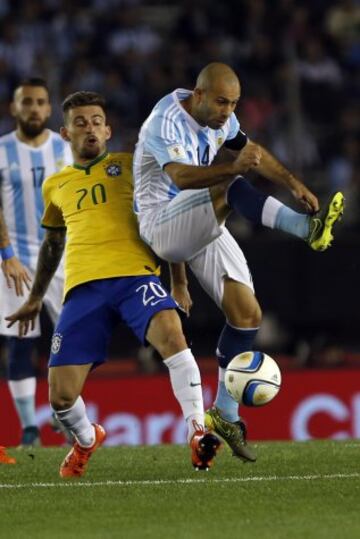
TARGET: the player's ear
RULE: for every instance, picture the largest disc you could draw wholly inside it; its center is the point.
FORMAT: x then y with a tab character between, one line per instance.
64	134
197	94
108	132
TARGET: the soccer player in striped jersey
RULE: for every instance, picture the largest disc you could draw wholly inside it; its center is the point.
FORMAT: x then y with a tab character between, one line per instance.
110	275
27	155
182	200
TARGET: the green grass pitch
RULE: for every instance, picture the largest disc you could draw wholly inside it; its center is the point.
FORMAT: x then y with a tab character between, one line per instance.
295	490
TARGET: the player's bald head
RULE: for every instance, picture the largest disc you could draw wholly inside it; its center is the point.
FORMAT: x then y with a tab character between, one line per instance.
215	96
215	74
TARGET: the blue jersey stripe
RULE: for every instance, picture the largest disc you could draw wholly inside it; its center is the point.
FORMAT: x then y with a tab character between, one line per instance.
173	190
38	173
19	203
58	149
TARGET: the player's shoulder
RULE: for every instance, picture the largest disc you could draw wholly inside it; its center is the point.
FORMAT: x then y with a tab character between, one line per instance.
169	105
120	156
165	114
55	137
6	138
58	177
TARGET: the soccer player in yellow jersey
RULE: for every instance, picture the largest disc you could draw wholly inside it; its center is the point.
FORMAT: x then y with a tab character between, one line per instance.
110	275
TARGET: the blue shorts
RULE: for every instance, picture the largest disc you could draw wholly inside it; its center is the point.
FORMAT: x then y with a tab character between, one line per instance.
92	310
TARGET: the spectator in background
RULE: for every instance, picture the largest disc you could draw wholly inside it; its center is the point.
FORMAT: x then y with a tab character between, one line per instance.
320	79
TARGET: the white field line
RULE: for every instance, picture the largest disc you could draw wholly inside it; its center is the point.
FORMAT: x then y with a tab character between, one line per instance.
160	482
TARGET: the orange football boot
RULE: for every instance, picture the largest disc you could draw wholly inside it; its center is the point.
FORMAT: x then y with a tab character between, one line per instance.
4	458
75	462
204	447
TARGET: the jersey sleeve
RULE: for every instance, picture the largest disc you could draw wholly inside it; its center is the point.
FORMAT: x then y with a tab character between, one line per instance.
236	138
52	216
164	142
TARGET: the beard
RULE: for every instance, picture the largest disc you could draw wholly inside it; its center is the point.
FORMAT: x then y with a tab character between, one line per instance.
90	152
30	129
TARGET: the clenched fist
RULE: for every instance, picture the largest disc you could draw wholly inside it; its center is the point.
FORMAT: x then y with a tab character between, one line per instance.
249	157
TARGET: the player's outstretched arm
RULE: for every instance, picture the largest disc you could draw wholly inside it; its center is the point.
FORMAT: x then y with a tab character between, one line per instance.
14	272
50	254
272	169
179	286
197	177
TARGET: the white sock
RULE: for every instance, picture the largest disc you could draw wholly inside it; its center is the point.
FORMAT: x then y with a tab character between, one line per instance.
186	383
76	420
23	394
20	389
270	211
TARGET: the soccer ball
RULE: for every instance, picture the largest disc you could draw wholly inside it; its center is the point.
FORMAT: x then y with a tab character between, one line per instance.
253	378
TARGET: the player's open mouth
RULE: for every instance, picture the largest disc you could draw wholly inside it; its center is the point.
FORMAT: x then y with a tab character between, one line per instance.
91	140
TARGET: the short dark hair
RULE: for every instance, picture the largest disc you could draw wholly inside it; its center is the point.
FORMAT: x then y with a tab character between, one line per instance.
32	81
83	99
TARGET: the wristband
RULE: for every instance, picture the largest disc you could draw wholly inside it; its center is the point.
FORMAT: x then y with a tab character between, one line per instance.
7	252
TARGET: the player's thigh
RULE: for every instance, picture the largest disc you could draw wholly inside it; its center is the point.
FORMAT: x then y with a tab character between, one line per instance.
9	303
223	262
83	331
142	298
183	227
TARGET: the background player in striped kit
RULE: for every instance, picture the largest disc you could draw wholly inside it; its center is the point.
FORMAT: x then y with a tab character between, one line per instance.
27	155
182	201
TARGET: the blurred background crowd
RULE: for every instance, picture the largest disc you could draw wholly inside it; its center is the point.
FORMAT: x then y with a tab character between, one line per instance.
298	62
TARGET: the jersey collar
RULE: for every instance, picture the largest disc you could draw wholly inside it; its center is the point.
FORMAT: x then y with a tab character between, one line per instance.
87	167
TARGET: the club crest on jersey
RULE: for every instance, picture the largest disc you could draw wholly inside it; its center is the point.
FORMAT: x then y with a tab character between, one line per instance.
56	343
176	152
113	169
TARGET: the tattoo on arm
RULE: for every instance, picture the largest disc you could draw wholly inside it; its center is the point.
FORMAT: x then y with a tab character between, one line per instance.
49	258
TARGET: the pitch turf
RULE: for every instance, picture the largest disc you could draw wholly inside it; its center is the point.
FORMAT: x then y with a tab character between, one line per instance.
295	490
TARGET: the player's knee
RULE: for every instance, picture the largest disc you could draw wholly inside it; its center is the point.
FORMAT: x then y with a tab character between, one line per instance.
61	398
249	317
256	316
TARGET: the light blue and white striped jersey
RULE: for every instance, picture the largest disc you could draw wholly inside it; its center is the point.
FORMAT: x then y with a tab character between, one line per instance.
170	134
23	169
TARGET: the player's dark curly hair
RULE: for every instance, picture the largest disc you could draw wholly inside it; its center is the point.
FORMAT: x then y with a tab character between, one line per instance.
83	99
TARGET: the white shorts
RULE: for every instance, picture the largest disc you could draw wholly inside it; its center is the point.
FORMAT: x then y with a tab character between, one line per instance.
220	259
183	227
10	302
186	230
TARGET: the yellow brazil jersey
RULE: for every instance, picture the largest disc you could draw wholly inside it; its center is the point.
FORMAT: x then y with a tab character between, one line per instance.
95	204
